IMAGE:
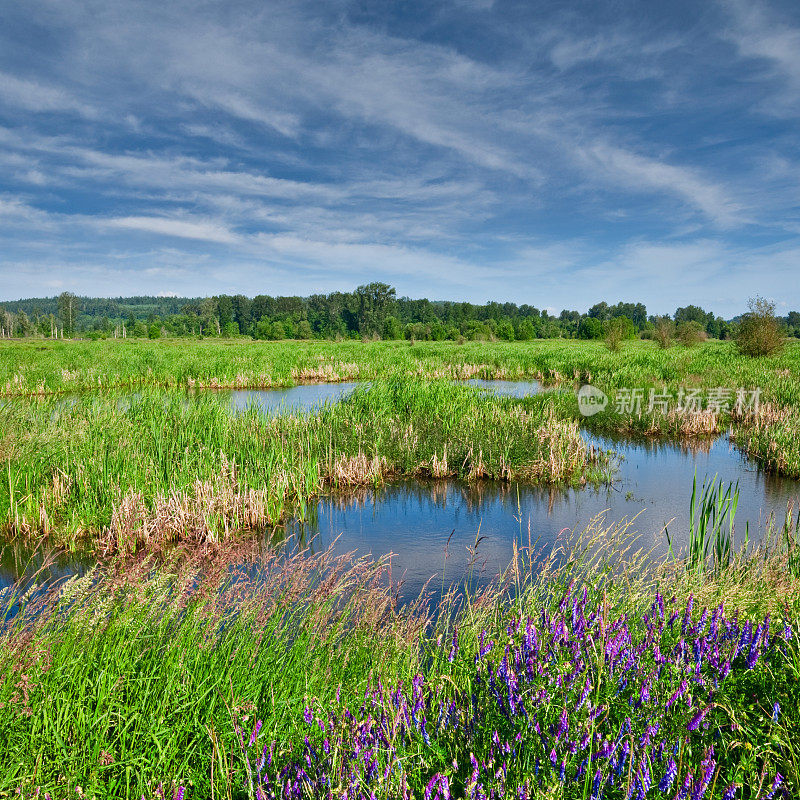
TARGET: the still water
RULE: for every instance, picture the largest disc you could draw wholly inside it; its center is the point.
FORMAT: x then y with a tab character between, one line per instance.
432	526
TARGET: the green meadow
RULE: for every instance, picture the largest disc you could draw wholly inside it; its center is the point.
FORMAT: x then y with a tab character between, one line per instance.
190	663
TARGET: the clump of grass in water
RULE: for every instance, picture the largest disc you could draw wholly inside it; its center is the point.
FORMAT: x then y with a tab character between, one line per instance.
712	516
157	469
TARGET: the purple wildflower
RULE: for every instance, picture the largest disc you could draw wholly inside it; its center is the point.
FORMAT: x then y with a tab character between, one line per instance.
697	719
775	786
453	647
254	734
665	784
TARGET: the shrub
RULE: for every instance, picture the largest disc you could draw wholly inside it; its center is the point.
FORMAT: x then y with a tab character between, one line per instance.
690	333
759	331
664	332
617	330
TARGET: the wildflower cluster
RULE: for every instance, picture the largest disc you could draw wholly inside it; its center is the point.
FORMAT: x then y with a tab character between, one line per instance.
568	703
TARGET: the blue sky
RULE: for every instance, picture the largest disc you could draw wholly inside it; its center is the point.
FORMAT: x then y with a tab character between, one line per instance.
547	153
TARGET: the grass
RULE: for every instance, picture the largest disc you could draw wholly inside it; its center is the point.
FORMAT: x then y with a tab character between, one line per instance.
712	518
146	468
29	367
119	683
132	472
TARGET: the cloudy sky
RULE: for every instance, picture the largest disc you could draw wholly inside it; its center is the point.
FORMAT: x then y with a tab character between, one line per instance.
540	152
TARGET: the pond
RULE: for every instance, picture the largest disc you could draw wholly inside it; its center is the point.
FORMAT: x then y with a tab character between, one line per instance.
311	396
430	526
305	397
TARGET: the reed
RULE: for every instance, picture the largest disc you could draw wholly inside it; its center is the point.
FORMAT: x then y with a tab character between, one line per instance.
44	368
121	473
712	516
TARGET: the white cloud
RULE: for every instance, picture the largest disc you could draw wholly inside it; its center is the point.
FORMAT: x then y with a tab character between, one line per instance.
34	96
761	35
639	173
206	231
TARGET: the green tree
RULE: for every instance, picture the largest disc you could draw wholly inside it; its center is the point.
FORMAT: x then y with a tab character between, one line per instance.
373	303
392	328
68	308
303	330
224	310
505	330
590	328
694	314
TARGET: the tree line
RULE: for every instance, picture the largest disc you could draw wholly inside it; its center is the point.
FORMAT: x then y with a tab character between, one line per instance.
372	311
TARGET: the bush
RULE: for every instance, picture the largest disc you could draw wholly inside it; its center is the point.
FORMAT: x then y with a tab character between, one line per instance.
664	332
760	331
617	330
690	333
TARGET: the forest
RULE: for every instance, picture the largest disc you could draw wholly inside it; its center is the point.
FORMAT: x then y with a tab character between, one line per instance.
372	311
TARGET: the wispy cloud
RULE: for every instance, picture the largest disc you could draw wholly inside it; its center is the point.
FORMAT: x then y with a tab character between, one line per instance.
639	173
31	95
205	231
769	36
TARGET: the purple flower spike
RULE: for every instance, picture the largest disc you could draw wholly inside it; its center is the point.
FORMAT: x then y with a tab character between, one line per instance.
730	792
665	784
697	719
775	786
254	734
453	647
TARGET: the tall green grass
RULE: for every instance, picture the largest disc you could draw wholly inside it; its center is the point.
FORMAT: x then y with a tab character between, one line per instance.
115	683
125	472
31	366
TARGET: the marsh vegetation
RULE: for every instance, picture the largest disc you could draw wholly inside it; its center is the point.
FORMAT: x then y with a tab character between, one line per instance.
590	667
